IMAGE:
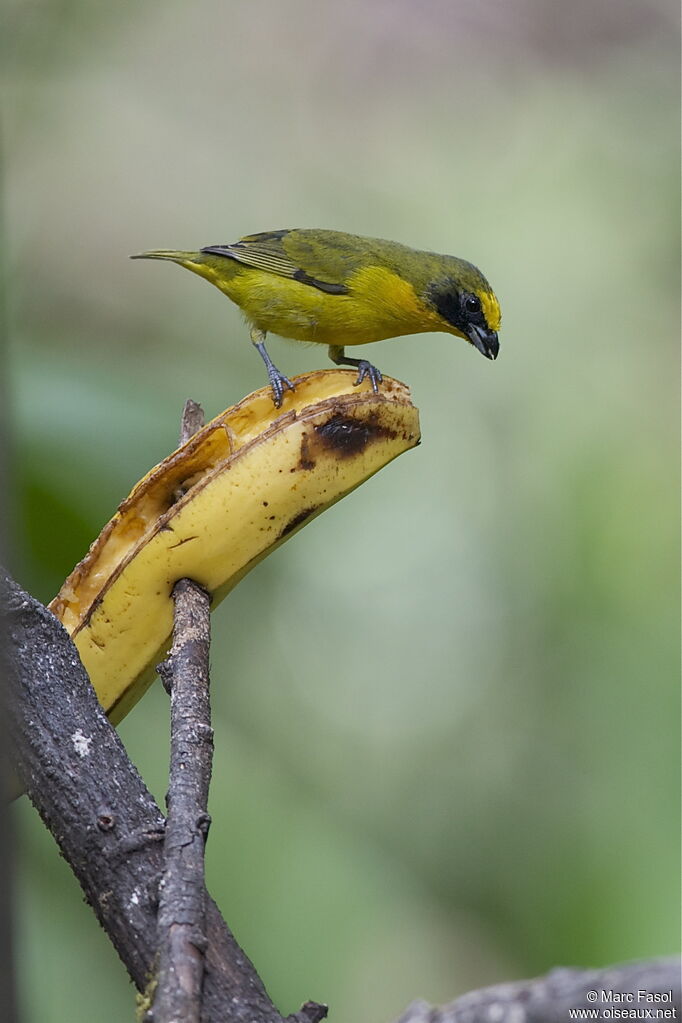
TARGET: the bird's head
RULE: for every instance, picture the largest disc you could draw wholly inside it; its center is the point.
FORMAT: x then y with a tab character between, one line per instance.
467	306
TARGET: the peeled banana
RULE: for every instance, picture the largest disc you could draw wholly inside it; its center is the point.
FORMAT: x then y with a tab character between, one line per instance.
213	509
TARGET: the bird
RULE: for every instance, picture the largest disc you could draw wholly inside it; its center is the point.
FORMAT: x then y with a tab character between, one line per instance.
339	290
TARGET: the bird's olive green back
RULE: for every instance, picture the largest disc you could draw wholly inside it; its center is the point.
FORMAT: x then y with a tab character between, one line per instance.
334	256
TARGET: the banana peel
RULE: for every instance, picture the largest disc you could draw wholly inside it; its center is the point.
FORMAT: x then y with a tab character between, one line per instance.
213	509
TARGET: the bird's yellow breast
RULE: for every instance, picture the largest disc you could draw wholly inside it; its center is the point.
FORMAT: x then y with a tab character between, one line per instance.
379	305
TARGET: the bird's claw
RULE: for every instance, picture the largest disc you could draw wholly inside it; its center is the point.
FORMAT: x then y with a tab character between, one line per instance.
366	369
279	384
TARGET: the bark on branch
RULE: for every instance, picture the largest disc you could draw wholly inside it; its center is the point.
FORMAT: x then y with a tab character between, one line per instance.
181	919
182	901
563	993
77	774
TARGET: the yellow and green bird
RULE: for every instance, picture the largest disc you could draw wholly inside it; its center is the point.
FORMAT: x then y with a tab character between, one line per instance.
340	289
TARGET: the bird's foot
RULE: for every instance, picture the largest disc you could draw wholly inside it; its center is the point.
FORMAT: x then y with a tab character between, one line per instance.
366	369
279	384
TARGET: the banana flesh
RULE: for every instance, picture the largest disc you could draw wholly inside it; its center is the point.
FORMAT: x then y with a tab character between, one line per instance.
214	508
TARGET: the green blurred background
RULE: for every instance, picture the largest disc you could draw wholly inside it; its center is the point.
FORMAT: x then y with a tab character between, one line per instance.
447	712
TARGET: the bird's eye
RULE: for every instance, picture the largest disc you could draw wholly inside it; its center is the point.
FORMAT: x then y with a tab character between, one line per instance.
472	304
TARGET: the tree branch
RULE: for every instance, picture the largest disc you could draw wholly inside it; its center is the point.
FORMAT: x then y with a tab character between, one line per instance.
77	774
551	999
181	919
110	830
185	675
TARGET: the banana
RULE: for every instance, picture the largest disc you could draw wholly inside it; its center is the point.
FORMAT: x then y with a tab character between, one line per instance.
210	511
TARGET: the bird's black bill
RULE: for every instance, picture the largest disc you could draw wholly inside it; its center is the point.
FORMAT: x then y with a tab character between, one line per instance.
485	340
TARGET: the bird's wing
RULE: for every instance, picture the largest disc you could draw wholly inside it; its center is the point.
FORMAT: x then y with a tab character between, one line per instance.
266	252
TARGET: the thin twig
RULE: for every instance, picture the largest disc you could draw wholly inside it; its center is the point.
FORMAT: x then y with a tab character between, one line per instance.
181	920
191	421
185	674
